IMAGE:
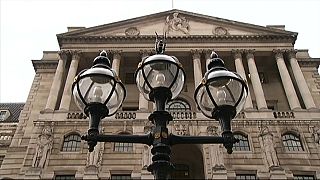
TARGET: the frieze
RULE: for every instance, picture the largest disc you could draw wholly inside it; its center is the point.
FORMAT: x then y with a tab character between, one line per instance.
200	38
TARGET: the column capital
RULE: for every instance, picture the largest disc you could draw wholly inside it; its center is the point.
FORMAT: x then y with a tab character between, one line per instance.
207	53
76	54
116	54
278	53
291	53
237	53
145	52
196	53
63	54
249	53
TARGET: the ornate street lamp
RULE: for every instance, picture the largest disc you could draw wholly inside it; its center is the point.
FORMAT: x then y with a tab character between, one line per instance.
99	92
160	78
221	95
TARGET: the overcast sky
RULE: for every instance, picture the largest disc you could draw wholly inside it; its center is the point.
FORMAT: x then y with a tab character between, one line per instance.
29	27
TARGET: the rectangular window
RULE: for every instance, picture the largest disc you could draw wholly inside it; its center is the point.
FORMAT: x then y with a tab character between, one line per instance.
65	177
303	177
120	176
246	177
123	147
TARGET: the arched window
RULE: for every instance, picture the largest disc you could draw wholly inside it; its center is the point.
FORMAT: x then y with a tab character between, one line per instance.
123	147
243	144
291	142
178	105
71	143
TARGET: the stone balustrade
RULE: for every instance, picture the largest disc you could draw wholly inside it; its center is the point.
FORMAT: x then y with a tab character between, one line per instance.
126	115
283	114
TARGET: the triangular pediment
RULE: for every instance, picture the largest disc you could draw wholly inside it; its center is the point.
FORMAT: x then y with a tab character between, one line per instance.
176	23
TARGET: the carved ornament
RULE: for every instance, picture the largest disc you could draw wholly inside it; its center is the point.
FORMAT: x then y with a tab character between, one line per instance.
220	31
132	31
178	23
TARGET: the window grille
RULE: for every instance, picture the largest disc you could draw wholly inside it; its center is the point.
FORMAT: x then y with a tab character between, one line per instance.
303	177
71	143
178	105
243	144
292	142
120	176
65	177
246	177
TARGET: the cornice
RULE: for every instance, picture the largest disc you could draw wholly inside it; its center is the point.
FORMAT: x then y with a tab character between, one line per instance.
39	65
309	62
196	38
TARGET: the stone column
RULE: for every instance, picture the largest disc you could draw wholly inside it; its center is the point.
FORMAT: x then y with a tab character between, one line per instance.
255	80
67	92
240	70
197	72
207	54
56	84
301	82
286	80
143	103
116	61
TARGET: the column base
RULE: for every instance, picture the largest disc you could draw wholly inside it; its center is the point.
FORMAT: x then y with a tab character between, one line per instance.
146	174
33	173
276	172
91	172
219	173
313	109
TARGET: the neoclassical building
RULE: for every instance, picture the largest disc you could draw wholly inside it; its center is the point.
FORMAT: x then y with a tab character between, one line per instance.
278	129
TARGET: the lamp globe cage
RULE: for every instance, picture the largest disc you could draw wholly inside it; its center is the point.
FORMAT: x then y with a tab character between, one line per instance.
160	76
98	91
221	93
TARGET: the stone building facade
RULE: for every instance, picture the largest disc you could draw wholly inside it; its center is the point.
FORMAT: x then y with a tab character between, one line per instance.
278	129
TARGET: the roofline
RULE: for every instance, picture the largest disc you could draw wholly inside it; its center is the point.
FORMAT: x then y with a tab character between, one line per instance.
123	22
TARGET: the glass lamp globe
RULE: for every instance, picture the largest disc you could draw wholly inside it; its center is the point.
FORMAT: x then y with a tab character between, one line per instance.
99	86
160	71
221	92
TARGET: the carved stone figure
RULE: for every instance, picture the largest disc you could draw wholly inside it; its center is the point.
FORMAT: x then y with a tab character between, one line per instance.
94	158
177	24
44	146
215	153
268	147
146	157
316	134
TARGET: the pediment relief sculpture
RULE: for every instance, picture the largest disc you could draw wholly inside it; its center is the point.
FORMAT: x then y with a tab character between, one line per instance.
178	23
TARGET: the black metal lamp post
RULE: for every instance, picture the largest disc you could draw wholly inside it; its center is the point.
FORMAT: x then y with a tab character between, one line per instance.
160	78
